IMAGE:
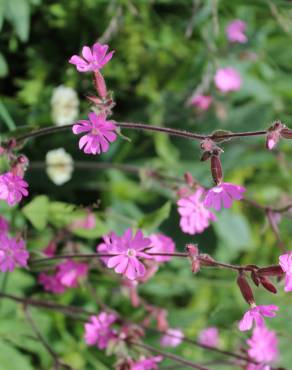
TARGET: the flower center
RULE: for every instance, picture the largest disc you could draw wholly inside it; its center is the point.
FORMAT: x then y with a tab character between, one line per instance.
95	131
131	252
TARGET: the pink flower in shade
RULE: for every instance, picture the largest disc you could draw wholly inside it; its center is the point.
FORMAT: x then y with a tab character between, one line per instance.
4	226
195	217
161	244
223	195
69	273
51	283
12	188
94	58
129	248
98	331
149	363
257	367
235	31
99	133
202	102
209	337
172	338
285	261
12	253
263	345
50	249
227	79
88	222
256	314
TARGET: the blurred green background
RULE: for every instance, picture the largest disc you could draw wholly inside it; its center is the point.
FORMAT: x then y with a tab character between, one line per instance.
164	50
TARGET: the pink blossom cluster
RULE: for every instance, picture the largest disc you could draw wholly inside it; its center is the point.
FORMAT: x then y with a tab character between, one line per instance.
98	332
209	337
13	252
130	248
67	275
12	188
263	345
202	102
172	338
235	31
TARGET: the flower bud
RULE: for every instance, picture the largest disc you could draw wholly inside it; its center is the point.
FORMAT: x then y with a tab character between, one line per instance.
193	253
245	289
267	284
271	271
189	178
255	278
216	169
286	133
205	156
100	85
207	260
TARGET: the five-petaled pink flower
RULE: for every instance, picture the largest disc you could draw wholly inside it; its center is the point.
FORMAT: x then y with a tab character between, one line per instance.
93	59
12	188
235	31
149	363
51	283
256	313
209	337
263	345
202	102
285	261
172	338
99	133
98	332
4	226
161	244
12	253
227	79
127	250
195	217
223	195
70	272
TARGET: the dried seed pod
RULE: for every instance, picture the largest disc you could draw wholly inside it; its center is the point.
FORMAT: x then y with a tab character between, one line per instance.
245	289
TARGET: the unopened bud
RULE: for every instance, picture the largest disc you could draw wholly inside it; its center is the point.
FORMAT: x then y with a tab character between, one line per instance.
245	289
205	156
255	278
100	85
271	271
189	178
216	169
268	285
193	253
286	133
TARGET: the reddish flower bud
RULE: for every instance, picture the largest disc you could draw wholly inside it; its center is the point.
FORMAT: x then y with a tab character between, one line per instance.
100	84
286	133
245	289
205	156
161	318
255	278
271	271
268	285
189	178
216	169
193	252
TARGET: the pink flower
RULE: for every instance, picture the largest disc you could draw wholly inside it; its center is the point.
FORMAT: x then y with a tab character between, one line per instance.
209	337
223	195
70	272
263	345
50	249
161	244
227	79
285	261
172	338
94	59
257	367
98	331
256	314
12	253
149	363
88	222
195	217
12	188
128	249
51	283
202	102
4	226
235	31
100	133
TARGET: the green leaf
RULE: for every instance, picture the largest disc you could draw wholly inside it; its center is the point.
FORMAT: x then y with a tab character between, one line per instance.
3	66
60	213
153	220
2	9
37	211
11	359
234	234
4	114
17	11
100	229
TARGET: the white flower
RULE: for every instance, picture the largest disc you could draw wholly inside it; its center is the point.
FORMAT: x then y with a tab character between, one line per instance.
65	105
59	166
